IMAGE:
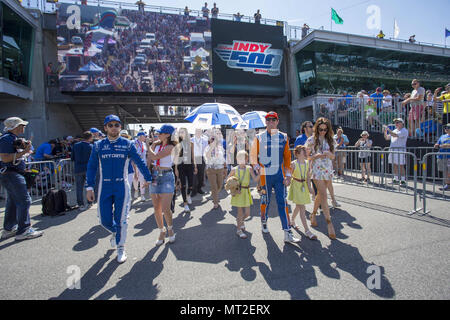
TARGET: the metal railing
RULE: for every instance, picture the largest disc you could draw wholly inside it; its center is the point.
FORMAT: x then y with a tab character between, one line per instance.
423	120
291	32
375	169
436	169
51	175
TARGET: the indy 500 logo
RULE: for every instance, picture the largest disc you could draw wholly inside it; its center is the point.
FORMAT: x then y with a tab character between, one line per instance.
253	57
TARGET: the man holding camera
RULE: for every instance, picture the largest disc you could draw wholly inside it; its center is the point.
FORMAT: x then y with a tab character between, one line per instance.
12	168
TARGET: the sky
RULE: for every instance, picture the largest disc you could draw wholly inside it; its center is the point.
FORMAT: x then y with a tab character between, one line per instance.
425	19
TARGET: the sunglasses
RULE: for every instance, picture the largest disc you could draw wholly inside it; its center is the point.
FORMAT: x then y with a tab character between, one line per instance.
310	127
112	125
413	84
272	119
323	130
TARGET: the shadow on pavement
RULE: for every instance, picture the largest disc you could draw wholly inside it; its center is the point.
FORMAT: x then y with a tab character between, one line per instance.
92	281
287	271
138	283
90	239
340	219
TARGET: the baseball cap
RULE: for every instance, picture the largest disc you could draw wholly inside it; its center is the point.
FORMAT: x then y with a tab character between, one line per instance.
12	123
165	128
272	114
364	133
111	117
94	130
141	133
399	120
123	132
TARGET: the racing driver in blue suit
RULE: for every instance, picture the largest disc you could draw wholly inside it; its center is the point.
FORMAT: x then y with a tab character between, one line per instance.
111	156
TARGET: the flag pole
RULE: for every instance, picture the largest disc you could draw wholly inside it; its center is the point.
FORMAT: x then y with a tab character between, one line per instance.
331	20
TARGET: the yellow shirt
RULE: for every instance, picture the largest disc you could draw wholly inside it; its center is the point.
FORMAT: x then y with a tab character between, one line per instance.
445	97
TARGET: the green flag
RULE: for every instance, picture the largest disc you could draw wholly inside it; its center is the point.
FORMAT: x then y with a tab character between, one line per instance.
335	17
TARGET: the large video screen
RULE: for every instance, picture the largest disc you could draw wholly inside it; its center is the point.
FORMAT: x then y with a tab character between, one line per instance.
247	58
122	50
103	49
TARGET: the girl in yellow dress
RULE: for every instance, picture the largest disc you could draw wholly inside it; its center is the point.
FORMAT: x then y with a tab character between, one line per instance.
300	190
243	200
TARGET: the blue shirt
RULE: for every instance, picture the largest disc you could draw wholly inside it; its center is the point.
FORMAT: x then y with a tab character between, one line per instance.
6	146
444	139
45	148
338	140
80	156
378	98
301	140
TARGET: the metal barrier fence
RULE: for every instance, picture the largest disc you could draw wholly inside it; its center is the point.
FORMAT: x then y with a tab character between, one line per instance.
423	120
383	170
440	175
51	175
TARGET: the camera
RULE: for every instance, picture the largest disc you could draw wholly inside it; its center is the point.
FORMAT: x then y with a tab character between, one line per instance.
21	143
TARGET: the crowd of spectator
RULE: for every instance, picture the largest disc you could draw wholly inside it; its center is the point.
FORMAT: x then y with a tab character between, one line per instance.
424	112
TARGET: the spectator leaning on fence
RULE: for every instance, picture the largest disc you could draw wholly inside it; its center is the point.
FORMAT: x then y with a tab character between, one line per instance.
444	160
12	169
417	108
205	10
214	12
398	138
257	17
445	97
80	156
45	150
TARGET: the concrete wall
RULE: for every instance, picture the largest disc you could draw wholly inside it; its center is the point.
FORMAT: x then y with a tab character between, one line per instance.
46	121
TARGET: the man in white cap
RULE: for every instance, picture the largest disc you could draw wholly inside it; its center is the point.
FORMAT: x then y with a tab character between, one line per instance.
398	138
12	166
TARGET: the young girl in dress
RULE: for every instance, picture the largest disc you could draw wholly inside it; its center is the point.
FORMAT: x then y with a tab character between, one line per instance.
301	189
244	200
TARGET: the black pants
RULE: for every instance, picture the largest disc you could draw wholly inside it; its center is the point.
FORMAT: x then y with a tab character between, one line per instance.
186	171
198	178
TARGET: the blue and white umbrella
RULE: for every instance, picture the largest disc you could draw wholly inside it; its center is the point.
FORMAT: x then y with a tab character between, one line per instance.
210	114
252	120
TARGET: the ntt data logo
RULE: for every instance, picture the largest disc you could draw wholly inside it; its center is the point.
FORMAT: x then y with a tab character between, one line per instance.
253	57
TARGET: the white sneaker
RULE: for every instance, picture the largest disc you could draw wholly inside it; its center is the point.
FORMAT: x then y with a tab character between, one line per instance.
186	209
121	255
9	234
289	237
172	238
264	227
113	240
143	198
29	234
189	200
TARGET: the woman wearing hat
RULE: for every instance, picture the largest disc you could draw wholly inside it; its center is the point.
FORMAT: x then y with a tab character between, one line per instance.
163	185
364	156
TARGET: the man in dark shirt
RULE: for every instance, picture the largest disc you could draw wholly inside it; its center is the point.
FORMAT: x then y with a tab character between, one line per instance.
257	17
12	166
80	156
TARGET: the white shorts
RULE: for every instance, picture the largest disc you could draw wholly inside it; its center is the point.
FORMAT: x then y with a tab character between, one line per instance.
397	158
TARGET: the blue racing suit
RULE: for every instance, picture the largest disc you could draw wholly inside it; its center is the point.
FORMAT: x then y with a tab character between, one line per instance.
272	154
113	158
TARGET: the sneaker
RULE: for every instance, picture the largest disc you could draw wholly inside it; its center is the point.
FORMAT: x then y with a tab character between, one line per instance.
444	188
9	234
395	181
264	227
29	234
289	237
113	240
186	209
189	200
336	204
403	183
143	198
121	255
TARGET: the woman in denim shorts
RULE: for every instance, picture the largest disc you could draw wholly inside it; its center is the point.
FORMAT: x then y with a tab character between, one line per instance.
163	185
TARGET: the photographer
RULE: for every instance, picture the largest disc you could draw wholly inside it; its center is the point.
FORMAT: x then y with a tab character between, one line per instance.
12	170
